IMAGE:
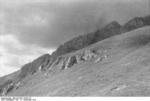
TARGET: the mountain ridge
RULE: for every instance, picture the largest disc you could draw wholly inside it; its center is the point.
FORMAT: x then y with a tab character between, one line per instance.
99	68
46	62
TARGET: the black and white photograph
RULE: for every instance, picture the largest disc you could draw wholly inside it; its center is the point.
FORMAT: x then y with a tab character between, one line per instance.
74	48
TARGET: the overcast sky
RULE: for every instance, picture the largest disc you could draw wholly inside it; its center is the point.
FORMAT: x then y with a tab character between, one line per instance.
30	28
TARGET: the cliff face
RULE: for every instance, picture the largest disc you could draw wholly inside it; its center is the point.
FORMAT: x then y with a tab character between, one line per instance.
65	62
38	64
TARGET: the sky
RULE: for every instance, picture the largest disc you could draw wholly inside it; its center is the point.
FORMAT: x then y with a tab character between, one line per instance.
30	28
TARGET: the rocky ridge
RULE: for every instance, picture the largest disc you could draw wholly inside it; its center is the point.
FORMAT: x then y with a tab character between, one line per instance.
47	62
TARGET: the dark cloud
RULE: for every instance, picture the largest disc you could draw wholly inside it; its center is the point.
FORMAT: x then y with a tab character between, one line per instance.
51	24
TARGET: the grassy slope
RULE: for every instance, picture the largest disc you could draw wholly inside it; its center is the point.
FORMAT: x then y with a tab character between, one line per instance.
12	76
126	72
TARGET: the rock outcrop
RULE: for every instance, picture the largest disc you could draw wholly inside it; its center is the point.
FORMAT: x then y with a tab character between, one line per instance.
38	64
65	62
88	55
6	87
71	61
85	40
137	23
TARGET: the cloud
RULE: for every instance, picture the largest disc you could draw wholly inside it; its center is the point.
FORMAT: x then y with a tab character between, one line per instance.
30	28
34	20
50	23
13	54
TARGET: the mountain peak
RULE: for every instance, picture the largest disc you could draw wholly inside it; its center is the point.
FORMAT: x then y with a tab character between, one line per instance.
112	25
137	22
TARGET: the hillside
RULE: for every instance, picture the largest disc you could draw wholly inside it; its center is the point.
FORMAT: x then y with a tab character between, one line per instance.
107	62
123	70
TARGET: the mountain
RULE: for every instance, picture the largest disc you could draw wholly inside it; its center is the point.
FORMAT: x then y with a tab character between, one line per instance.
95	64
33	67
137	23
